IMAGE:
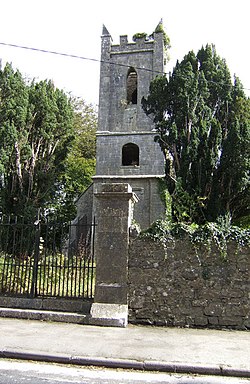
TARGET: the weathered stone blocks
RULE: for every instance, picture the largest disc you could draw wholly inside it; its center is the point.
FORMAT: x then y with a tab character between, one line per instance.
170	285
113	204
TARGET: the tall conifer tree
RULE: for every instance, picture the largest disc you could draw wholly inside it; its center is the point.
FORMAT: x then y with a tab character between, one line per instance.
202	120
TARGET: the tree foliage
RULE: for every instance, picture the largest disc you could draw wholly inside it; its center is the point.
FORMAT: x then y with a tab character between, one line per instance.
81	158
44	146
203	125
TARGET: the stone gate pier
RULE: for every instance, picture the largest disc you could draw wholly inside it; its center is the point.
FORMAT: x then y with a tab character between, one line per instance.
113	210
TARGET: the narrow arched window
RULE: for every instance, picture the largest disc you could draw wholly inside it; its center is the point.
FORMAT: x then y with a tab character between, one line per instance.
132	86
130	154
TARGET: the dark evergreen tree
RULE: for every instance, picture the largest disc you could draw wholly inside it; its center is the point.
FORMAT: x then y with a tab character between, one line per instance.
36	131
47	147
202	120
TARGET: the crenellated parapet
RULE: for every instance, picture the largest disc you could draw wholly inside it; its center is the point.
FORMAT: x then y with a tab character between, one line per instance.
126	149
139	44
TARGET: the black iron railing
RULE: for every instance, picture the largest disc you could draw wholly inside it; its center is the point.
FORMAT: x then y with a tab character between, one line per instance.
46	258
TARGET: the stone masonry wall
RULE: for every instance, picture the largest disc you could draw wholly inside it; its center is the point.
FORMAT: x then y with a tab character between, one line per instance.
181	286
150	206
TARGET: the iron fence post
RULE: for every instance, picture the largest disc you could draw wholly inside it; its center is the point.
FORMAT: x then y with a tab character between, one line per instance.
33	290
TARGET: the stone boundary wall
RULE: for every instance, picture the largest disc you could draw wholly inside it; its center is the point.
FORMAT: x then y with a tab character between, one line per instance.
179	285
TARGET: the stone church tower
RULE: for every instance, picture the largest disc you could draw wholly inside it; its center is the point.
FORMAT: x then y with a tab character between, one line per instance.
126	151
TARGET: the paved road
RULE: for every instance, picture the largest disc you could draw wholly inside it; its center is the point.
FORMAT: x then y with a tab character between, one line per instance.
19	372
201	349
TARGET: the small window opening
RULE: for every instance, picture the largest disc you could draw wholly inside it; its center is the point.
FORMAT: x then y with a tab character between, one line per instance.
130	154
132	86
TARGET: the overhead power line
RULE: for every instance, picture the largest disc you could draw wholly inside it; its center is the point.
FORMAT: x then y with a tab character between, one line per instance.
77	57
87	59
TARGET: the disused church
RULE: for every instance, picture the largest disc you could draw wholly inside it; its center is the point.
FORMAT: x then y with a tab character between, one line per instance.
126	151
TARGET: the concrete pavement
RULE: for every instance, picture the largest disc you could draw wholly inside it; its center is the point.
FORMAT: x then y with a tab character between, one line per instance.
140	347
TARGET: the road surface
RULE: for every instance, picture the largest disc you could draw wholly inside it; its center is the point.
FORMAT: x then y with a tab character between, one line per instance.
27	372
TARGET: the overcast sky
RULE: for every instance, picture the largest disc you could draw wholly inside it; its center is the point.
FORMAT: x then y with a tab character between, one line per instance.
75	27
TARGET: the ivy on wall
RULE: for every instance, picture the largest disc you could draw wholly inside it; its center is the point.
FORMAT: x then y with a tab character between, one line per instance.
220	233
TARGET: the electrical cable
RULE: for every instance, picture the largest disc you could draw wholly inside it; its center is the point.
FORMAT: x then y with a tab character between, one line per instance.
77	57
88	59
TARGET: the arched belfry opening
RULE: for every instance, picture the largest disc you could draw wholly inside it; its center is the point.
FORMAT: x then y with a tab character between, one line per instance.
132	86
130	154
125	148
